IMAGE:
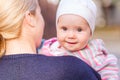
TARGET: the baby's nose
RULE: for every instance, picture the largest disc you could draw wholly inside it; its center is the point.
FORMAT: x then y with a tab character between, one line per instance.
71	34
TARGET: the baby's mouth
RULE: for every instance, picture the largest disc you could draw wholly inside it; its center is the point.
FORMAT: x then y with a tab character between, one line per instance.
71	42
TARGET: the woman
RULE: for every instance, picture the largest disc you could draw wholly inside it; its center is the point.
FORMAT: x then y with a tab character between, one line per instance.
21	30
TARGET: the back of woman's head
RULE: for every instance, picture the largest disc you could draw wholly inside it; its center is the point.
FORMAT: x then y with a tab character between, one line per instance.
11	17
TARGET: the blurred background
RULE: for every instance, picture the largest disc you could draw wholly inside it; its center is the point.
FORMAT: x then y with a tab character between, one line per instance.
107	23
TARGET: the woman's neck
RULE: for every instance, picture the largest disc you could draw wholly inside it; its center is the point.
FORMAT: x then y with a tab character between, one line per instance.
20	47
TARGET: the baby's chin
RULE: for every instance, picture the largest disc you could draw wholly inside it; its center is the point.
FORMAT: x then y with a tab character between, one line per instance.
73	49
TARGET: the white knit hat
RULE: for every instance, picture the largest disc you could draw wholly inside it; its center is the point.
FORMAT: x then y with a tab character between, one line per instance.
84	8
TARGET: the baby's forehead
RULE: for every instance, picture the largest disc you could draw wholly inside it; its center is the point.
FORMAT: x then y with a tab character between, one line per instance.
71	17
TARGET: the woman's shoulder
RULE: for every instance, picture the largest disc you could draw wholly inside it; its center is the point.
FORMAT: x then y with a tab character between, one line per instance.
42	67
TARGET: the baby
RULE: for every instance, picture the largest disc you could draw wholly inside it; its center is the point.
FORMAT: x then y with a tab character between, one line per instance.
75	24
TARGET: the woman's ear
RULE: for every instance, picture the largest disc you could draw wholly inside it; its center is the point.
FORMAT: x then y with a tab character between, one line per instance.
30	19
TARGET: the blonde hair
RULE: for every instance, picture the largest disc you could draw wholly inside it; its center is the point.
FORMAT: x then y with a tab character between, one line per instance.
11	17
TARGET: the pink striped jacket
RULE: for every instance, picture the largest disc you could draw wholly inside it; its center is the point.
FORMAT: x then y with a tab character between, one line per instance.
94	54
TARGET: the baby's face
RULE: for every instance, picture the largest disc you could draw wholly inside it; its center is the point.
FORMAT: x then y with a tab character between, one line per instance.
73	32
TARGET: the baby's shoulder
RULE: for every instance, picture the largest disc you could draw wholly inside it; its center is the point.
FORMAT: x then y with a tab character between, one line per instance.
96	43
97	46
50	41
